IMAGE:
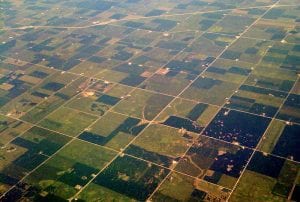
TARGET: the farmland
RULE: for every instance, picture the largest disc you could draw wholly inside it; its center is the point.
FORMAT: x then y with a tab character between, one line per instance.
161	100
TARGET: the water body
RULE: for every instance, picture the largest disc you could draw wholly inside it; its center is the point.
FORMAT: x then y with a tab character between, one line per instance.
266	165
288	143
234	126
